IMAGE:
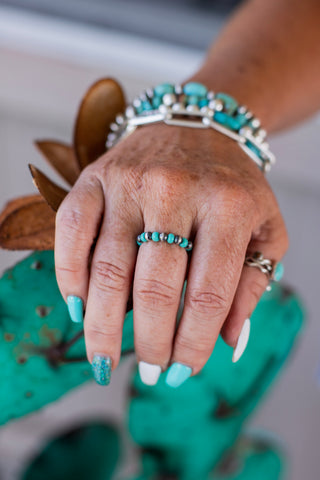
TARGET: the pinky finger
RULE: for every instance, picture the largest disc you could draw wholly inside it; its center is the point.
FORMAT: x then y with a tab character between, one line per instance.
236	328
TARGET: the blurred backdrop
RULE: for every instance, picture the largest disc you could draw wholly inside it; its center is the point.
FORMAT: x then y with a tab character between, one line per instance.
50	52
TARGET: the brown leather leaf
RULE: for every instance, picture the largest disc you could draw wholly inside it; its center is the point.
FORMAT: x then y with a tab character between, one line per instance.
27	223
99	108
62	158
50	191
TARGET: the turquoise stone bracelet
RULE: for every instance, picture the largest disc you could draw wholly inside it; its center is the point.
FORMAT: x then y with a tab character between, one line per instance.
192	105
170	238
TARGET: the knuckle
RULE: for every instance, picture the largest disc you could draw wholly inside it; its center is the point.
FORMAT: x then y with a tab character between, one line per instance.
235	198
108	276
156	351
103	338
170	181
70	268
155	293
71	221
257	287
199	350
207	302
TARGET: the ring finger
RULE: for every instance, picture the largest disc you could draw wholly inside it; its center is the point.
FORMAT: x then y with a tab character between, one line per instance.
158	283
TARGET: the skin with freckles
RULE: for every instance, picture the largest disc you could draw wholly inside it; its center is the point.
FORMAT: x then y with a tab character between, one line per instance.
195	183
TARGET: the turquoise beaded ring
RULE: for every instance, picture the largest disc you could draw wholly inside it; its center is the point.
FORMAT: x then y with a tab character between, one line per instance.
170	238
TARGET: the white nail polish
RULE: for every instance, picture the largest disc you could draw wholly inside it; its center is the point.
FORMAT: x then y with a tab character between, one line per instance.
242	341
149	373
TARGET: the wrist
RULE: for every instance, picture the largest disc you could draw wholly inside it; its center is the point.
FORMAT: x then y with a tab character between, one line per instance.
193	105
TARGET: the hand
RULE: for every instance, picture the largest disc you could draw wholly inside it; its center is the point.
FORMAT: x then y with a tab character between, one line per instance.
195	183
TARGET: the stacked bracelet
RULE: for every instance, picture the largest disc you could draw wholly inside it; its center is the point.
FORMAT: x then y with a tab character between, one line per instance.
194	106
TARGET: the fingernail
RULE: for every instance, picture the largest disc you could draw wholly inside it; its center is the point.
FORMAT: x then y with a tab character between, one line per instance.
149	373
177	374
101	368
75	307
242	341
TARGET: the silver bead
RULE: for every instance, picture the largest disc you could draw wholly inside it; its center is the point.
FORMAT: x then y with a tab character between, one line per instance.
178	239
136	103
192	108
139	238
163	237
216	105
267	166
245	131
109	144
242	109
255	123
176	107
112	137
206	121
143	97
249	115
189	246
150	93
169	99
148	236
163	108
178	89
210	95
130	112
261	134
120	119
114	127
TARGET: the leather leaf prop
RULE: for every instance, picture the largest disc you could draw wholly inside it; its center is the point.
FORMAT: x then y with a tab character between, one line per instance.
61	157
27	223
51	192
99	108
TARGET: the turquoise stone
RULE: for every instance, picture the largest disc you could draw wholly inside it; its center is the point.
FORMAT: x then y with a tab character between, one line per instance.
170	238
253	148
230	104
143	237
184	243
163	88
177	374
222	118
156	102
193	100
194	88
155	236
203	102
278	272
146	105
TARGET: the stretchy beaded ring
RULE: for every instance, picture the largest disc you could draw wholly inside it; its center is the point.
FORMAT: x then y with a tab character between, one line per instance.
170	238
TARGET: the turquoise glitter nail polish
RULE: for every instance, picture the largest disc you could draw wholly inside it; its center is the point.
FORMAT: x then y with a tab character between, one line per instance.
101	368
177	374
75	307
